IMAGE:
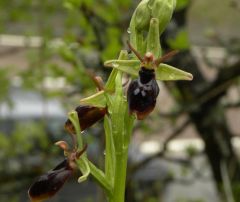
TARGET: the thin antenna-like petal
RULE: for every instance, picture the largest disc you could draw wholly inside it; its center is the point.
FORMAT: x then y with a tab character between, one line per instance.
135	52
165	57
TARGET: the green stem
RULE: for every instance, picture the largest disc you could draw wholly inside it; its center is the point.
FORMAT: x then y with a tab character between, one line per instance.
109	149
120	177
115	131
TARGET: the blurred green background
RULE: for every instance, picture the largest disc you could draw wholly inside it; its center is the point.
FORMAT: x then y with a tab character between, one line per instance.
185	151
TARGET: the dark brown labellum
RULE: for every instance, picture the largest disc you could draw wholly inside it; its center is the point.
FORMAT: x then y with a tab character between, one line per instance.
49	184
142	93
87	115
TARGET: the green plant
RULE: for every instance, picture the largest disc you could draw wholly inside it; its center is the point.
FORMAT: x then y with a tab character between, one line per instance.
148	21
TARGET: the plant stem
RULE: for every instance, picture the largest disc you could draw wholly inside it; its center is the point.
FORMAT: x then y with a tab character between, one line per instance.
120	177
109	149
117	138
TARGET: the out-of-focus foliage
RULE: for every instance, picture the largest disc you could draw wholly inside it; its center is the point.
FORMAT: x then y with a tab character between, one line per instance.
89	32
180	42
4	84
182	4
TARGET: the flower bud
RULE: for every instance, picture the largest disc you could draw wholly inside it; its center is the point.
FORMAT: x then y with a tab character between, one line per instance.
162	10
142	16
147	9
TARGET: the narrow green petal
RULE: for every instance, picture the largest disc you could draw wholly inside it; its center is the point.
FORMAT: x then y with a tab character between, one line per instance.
96	100
128	66
166	72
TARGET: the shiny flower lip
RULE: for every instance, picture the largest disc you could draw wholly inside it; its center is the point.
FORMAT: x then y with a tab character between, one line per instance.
143	91
48	184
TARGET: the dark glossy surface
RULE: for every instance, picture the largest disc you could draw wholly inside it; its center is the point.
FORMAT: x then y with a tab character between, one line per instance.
142	93
49	183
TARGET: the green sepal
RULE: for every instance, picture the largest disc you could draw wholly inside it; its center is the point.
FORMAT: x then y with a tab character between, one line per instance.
164	72
169	73
97	100
128	66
